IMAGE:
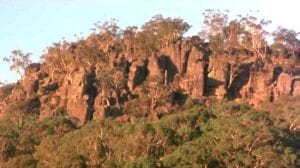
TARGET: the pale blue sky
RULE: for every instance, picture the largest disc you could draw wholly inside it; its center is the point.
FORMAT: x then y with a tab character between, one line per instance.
32	25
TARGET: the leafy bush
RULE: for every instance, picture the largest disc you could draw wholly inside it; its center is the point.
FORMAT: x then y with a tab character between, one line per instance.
223	135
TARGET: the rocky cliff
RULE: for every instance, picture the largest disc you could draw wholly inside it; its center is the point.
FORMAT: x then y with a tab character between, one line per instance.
96	90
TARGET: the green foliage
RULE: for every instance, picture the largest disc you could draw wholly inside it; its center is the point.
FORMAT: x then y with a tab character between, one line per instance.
233	36
159	31
22	161
284	112
241	141
5	91
223	135
139	107
279	50
18	143
284	38
18	61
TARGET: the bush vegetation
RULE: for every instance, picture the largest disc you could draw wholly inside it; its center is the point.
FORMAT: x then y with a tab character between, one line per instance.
188	134
222	135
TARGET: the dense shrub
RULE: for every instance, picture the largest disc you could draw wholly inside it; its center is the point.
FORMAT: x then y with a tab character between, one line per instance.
223	135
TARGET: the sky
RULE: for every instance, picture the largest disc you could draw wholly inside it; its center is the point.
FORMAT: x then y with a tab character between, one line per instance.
32	25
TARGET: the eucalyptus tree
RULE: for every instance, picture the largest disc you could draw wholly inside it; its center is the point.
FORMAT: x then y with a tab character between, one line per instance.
110	84
285	40
58	59
254	35
214	22
18	61
107	33
159	32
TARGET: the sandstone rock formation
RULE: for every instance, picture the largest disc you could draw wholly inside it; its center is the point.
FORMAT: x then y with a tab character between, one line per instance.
78	98
195	76
155	69
283	85
218	76
137	73
30	82
259	86
183	65
296	88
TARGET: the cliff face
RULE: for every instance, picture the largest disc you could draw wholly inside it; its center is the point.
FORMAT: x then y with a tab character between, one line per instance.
180	66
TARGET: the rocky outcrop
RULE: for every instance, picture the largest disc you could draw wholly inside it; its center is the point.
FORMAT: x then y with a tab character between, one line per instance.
195	76
218	76
186	48
99	108
70	93
49	106
173	53
104	108
2	108
259	87
183	65
31	82
78	96
137	73
239	77
14	99
155	66
283	86
296	87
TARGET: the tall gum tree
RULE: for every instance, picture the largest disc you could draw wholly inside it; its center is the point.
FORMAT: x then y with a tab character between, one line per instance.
284	41
18	61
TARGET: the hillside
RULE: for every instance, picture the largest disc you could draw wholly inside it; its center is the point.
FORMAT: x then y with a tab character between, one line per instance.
152	97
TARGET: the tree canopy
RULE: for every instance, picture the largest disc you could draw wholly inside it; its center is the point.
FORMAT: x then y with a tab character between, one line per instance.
18	61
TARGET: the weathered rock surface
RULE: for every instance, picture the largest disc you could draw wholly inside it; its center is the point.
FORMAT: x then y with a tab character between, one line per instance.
259	86
174	58
30	82
218	76
78	97
175	61
183	64
137	73
99	107
296	87
239	77
283	86
195	77
155	67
